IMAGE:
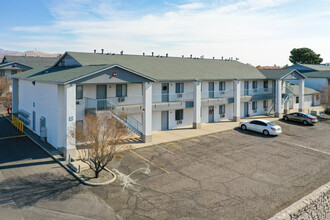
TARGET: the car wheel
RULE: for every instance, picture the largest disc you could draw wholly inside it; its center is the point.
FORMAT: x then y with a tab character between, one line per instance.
286	118
243	127
305	122
265	132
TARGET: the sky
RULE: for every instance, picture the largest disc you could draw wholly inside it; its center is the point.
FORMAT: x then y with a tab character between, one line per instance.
259	32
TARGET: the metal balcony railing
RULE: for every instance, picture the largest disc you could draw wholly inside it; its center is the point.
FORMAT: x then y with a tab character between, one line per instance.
257	91
173	97
217	94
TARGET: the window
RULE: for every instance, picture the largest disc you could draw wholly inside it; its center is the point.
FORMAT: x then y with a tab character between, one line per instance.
121	90
222	109
254	105
179	115
254	85
297	99
13	72
79	92
222	86
266	84
265	103
2	73
179	88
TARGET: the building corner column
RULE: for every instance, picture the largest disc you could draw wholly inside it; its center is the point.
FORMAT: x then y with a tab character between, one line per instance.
15	94
70	120
197	105
301	94
147	117
278	99
287	103
237	101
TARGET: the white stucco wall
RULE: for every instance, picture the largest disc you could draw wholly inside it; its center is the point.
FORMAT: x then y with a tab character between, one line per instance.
45	96
229	113
260	108
172	123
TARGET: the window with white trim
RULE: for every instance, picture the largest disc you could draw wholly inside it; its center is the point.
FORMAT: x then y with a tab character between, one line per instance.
254	105
222	109
254	84
2	73
179	88
179	115
266	84
121	90
222	86
79	92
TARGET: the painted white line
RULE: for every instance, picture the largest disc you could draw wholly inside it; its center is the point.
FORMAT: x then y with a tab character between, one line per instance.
302	146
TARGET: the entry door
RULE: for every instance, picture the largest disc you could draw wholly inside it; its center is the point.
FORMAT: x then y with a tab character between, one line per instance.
211	114
246	109
165	91
246	88
164	120
34	121
211	89
101	96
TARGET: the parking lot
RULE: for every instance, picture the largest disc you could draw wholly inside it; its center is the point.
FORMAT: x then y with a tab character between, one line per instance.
228	175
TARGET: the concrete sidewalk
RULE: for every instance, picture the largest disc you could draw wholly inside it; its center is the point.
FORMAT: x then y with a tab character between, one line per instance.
160	137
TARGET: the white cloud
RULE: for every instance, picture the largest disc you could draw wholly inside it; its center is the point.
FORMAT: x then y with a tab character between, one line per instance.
256	31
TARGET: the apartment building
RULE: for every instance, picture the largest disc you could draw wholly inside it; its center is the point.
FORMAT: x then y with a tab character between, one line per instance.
11	65
156	93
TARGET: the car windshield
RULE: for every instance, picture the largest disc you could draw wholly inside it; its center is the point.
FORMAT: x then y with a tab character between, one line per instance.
271	124
309	115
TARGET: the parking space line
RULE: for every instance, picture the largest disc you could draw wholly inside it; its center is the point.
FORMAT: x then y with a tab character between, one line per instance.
10	137
171	152
152	163
302	146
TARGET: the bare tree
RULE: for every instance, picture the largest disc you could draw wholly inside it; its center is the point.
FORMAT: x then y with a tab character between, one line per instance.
102	138
4	85
325	96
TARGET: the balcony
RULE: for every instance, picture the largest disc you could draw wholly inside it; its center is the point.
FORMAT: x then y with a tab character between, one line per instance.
217	97
173	97
257	94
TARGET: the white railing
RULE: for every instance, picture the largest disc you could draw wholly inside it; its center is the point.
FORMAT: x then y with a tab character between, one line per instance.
258	91
173	97
217	94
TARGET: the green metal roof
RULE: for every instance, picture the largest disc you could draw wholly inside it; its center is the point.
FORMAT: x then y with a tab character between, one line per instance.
33	62
307	91
173	68
277	73
318	67
155	68
58	74
318	74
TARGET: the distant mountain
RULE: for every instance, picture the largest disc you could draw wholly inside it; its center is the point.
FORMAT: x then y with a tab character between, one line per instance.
7	51
32	53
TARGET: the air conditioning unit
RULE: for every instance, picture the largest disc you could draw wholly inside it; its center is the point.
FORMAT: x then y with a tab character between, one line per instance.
265	109
179	95
179	122
121	99
255	111
255	90
222	116
222	92
77	102
265	89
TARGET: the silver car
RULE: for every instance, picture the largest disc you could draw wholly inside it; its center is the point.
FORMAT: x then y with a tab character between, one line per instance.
301	117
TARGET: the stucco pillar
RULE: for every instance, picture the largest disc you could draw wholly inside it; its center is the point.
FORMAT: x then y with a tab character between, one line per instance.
301	94
278	98
237	100
70	119
147	117
287	103
15	92
197	104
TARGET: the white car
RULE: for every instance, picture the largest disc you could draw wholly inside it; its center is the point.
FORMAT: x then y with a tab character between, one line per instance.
261	126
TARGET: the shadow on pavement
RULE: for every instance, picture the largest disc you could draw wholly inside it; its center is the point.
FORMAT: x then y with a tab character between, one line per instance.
28	190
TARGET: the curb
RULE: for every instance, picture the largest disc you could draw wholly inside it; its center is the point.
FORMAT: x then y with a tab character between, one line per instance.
67	168
301	204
